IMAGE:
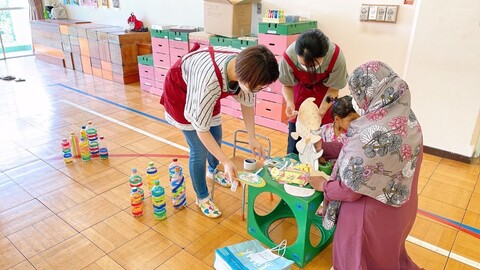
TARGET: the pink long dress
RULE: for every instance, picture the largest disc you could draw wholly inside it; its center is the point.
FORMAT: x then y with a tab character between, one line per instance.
369	234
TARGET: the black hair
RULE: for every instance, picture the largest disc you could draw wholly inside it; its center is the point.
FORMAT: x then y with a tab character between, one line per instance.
256	66
311	45
342	107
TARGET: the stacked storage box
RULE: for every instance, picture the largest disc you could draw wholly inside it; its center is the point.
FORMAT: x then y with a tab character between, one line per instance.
202	38
178	42
103	48
51	42
123	54
161	56
147	74
270	105
79	43
93	37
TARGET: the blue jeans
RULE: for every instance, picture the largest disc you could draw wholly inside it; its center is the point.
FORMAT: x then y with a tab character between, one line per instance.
198	155
291	142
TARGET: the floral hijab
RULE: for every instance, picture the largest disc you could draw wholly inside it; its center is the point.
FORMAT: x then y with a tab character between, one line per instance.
380	156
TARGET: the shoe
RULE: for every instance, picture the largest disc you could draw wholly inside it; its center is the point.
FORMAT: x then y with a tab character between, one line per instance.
219	177
208	208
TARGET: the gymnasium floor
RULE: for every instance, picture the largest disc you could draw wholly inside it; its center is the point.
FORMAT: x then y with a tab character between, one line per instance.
77	216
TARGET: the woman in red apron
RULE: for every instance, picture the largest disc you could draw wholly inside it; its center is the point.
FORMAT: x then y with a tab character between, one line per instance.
311	67
193	88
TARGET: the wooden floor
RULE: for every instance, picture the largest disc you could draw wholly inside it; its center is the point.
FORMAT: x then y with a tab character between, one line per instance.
77	216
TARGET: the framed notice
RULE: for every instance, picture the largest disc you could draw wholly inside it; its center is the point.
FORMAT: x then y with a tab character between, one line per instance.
114	3
103	3
89	3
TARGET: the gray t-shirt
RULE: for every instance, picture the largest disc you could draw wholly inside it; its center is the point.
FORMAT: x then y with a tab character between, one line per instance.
337	79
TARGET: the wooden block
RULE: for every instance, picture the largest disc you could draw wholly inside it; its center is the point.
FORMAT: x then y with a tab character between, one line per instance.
94	33
125	69
94	49
128	37
86	65
104	50
68	60
75	48
106	65
74	40
97	72
84	49
126	79
124	54
96	63
107	75
51	59
77	62
81	29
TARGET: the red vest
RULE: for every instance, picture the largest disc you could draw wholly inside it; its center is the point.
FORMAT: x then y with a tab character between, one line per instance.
311	85
175	89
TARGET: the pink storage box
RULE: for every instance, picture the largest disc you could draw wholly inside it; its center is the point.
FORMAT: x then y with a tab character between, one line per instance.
156	91
146	84
160	45
159	84
274	97
182	45
161	60
146	72
271	123
226	102
226	110
160	74
271	110
276	43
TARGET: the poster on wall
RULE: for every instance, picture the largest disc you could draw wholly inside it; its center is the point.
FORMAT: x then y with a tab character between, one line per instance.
89	3
114	3
71	2
103	3
408	2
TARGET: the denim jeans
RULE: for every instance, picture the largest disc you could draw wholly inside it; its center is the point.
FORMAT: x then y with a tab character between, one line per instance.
291	142
198	156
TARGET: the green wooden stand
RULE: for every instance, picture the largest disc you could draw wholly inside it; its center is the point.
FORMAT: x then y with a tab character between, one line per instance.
302	209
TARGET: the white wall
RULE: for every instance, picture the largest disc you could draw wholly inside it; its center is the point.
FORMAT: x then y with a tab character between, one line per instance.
437	52
443	72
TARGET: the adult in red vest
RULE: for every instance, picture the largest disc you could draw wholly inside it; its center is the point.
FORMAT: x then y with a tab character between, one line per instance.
192	92
313	66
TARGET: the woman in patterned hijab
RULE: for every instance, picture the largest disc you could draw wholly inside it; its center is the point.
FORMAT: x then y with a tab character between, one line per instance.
371	197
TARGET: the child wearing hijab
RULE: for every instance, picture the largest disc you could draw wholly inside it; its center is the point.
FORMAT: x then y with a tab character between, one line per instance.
371	197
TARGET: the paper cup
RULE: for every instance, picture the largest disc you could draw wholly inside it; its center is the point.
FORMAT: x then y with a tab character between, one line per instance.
250	164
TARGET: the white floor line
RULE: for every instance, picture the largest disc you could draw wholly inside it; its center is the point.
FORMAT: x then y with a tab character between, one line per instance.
411	239
444	252
153	136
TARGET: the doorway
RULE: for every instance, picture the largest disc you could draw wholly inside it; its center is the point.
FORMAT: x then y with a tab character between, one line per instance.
15	29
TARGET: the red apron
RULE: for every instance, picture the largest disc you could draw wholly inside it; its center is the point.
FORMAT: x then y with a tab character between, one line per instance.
175	89
311	86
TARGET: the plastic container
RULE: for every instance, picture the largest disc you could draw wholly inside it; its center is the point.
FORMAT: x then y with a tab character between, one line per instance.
136	202
136	181
102	148
83	132
151	176
177	185
158	200
92	137
67	151
75	143
84	150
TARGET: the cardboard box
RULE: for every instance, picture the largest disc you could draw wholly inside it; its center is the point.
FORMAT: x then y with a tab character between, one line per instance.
229	18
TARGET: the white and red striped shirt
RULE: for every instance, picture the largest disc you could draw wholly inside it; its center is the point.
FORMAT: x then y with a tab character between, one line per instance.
203	89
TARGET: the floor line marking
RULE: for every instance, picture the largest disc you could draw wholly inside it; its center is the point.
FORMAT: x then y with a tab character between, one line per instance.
153	136
411	239
135	111
443	252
